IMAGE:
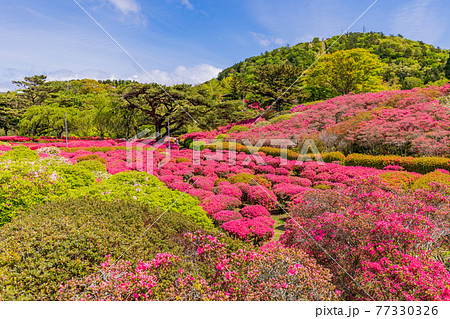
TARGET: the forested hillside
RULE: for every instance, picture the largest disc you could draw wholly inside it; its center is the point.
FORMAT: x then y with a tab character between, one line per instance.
405	63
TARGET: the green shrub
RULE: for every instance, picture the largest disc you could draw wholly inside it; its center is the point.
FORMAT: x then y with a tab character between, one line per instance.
75	176
53	243
90	157
182	160
436	177
322	186
422	165
238	128
281	118
333	157
22	185
402	180
221	137
92	165
249	179
20	153
197	145
145	188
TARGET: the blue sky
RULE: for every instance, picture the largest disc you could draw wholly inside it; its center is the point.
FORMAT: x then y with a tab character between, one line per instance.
187	41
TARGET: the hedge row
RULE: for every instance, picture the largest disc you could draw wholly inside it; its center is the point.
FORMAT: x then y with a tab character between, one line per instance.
422	165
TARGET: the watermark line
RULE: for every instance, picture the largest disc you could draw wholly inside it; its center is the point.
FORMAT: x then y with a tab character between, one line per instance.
134	60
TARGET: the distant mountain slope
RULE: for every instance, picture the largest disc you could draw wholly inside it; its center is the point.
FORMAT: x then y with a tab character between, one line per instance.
410	63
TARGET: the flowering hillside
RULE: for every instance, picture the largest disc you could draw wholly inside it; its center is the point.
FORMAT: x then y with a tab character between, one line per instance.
397	122
347	232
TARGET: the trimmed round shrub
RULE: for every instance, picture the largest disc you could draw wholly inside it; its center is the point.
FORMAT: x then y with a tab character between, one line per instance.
92	165
238	128
259	195
225	216
145	188
90	157
53	243
249	179
333	157
434	177
75	176
253	211
402	180
20	153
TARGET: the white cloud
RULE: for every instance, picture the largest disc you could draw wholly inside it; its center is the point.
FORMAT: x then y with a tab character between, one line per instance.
185	3
420	20
265	40
66	75
190	75
126	6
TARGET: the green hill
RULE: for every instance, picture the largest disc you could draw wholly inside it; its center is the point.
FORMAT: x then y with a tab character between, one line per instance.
409	63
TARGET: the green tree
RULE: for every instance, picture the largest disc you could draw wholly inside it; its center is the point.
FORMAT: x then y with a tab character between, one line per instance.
47	120
34	89
277	84
346	71
447	68
157	104
10	111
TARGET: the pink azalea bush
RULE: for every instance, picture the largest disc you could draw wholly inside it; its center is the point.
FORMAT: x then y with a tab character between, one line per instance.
365	225
272	273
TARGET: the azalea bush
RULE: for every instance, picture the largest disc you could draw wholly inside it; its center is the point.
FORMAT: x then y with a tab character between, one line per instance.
272	273
57	242
367	224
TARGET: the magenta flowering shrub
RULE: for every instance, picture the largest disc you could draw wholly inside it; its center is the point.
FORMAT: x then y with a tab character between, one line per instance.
200	193
225	216
181	186
255	230
216	203
363	224
272	273
205	183
169	179
285	192
229	190
401	276
260	195
253	211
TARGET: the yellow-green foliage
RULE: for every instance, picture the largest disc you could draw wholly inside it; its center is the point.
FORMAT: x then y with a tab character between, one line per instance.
182	159
249	179
422	165
92	165
20	153
332	157
91	157
281	118
401	180
145	188
436	177
238	128
322	186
